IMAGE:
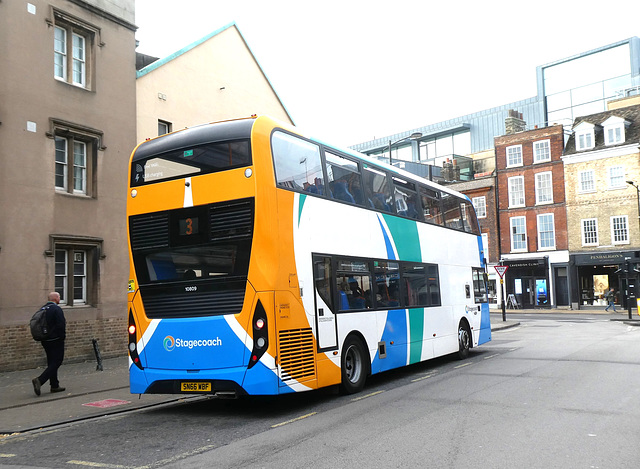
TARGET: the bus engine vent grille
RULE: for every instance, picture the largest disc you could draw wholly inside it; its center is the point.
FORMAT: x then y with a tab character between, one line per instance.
201	304
232	220
149	231
296	355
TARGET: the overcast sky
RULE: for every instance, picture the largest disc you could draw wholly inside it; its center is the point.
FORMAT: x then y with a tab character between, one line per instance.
349	71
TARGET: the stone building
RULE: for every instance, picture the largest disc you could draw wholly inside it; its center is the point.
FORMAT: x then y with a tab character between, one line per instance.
602	174
68	120
531	214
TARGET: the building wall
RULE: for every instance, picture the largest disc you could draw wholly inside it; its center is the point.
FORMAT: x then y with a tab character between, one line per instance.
34	107
529	170
217	79
602	203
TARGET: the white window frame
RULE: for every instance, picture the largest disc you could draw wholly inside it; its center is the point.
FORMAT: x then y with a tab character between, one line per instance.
542	151
544	195
60	53
512	233
617	231
593	222
514	151
540	218
73	52
585	140
164	127
584	181
612	178
62	162
480	205
79	167
614	130
67	279
514	192
78	58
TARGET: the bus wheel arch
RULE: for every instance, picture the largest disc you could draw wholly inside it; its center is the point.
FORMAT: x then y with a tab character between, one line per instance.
355	364
465	341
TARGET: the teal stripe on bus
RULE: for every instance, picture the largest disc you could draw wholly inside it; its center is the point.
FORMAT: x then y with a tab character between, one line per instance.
405	237
301	201
416	330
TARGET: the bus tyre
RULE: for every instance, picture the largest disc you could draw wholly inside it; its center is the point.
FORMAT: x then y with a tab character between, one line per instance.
354	366
464	340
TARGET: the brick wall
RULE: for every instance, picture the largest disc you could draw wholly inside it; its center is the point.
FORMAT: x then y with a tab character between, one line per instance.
21	352
528	170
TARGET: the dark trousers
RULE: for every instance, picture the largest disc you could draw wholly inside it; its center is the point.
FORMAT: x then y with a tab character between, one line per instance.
55	354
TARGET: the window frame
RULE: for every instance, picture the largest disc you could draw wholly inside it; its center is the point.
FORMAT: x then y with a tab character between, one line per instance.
523	233
508	156
612	221
75	59
581	181
480	202
167	126
585	140
594	232
539	190
620	177
512	192
92	249
539	217
546	150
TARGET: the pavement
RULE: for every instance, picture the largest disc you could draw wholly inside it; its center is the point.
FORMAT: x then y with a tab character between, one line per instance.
92	393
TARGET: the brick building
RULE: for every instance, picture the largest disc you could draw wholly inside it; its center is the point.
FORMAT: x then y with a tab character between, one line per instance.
531	214
602	174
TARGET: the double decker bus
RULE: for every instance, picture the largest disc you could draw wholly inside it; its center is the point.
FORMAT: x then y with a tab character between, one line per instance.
264	262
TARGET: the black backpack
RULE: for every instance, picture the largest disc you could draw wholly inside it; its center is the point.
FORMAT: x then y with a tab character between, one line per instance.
39	327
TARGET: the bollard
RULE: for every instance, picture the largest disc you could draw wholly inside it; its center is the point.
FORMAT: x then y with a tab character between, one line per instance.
96	350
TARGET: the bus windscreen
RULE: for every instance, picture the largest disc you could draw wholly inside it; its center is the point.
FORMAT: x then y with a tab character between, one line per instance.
185	162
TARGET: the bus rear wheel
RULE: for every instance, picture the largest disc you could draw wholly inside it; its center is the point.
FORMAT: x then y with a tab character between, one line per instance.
354	366
464	340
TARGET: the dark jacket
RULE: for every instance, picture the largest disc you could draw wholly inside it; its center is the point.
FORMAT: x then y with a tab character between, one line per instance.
56	321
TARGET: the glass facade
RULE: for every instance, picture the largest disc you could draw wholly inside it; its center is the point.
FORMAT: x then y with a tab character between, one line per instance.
583	86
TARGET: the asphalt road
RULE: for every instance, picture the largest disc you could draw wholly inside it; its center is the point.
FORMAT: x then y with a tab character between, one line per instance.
554	392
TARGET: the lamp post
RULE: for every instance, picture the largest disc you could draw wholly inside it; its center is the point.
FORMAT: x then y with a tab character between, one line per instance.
413	136
628	264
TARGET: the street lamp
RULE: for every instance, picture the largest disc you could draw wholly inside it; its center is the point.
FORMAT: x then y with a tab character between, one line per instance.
413	136
631	183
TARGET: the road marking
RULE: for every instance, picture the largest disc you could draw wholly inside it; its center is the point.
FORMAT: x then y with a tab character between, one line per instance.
368	395
293	420
5	455
424	377
491	356
463	365
96	464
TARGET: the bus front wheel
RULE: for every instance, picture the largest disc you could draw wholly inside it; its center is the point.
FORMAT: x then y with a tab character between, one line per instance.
464	340
354	366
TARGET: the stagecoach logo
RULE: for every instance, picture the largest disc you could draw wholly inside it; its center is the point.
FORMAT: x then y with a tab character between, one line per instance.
170	343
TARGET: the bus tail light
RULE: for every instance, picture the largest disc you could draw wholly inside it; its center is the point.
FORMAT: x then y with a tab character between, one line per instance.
260	334
133	348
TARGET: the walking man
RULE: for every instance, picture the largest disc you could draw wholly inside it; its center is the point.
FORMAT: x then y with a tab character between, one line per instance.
53	347
610	296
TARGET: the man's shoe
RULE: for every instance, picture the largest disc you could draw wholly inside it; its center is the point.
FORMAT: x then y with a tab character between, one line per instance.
58	389
36	386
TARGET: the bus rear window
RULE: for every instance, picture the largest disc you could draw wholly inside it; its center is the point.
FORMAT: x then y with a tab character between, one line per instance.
202	159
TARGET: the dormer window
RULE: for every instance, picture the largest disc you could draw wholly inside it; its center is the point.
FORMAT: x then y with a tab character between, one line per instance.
585	136
614	128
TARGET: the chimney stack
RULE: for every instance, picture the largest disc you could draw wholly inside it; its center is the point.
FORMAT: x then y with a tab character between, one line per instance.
514	123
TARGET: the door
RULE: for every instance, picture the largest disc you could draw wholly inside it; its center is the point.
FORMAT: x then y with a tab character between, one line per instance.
326	325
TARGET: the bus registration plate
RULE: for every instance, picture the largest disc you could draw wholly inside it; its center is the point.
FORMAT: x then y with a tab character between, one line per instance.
195	387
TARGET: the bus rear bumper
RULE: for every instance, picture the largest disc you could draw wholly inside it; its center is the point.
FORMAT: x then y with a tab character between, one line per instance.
238	381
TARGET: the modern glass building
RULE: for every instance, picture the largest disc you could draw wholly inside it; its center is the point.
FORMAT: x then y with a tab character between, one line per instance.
581	85
567	88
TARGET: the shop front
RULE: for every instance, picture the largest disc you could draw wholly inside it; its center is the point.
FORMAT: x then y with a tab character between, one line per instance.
527	282
595	273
